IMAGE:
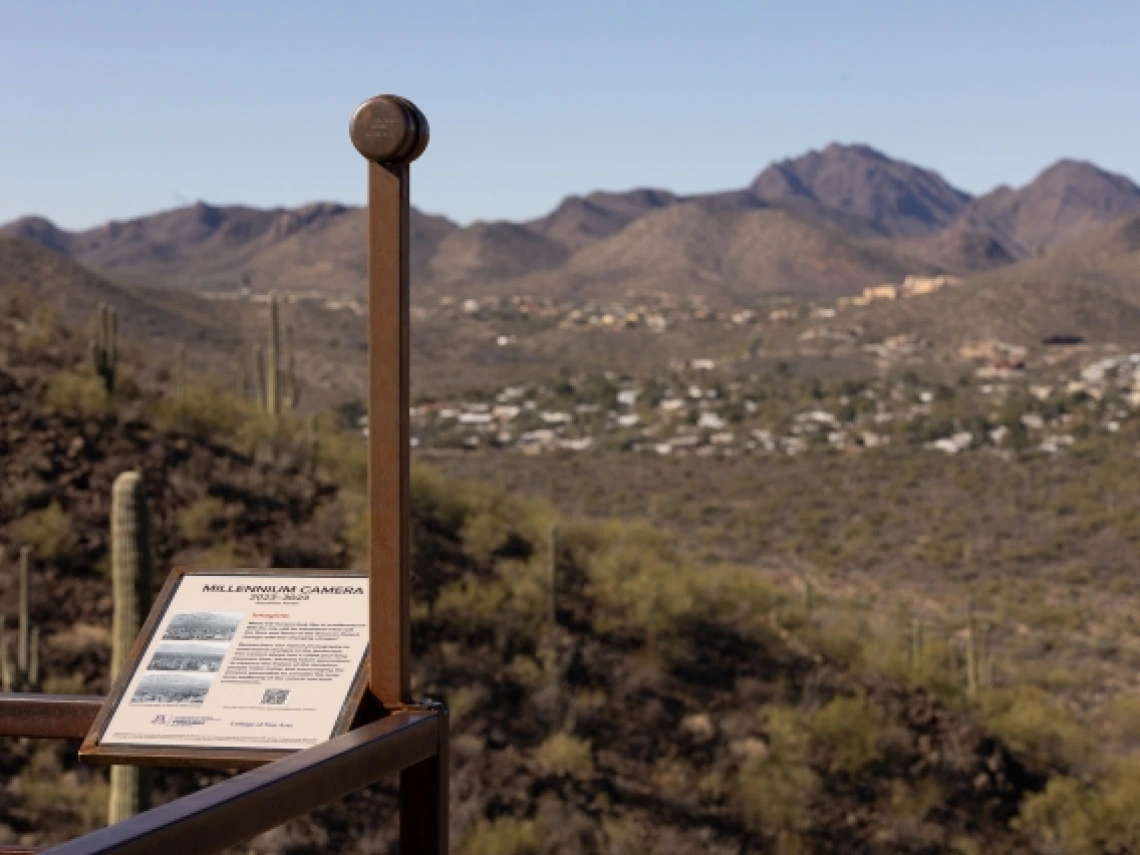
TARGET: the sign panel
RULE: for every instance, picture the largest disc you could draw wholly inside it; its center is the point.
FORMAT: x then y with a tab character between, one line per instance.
239	663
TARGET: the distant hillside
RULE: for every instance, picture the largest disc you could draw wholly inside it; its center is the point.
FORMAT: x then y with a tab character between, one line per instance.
723	253
960	248
579	220
150	317
1066	200
319	246
1088	286
883	217
496	251
901	198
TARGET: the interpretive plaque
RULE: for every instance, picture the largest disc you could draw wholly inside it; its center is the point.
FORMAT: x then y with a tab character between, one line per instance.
238	667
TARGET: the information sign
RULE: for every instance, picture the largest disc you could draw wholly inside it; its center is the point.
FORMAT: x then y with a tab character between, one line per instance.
238	666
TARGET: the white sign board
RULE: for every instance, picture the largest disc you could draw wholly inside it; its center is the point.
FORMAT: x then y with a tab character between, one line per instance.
246	661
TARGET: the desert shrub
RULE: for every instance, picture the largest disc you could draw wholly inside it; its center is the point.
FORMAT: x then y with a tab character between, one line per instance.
1079	819
1058	819
565	754
847	732
286	440
436	497
206	413
502	836
775	791
42	330
224	554
737	596
70	684
78	395
1121	720
355	506
841	639
623	835
907	807
17	495
47	531
17	302
675	780
492	519
533	672
47	791
465	700
1031	723
343	455
512	604
198	518
640	583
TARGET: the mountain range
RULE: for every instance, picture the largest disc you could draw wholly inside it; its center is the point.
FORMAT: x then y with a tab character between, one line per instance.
826	223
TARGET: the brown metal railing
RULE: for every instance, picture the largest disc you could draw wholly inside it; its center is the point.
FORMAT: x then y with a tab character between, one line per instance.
400	736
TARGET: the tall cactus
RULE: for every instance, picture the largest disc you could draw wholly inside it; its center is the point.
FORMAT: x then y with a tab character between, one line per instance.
916	644
292	391
273	366
259	365
105	346
131	584
180	372
24	672
972	675
7	669
24	621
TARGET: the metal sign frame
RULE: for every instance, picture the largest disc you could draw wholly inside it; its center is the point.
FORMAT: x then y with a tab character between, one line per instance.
93	751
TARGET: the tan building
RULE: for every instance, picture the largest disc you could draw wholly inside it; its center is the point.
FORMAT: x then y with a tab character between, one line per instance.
914	286
881	292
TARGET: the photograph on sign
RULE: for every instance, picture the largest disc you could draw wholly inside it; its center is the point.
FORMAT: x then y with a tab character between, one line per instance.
242	660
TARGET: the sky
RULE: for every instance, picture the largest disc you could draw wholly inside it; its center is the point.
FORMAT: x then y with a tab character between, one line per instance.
112	110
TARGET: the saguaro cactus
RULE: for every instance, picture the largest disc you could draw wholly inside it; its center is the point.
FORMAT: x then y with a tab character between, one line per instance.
105	346
24	672
273	366
259	365
24	621
180	372
7	671
292	391
916	644
131	584
972	670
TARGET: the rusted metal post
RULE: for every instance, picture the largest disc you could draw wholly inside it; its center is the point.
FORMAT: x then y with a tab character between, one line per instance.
424	795
391	132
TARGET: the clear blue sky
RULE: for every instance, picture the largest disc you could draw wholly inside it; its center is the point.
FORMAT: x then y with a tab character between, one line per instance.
116	109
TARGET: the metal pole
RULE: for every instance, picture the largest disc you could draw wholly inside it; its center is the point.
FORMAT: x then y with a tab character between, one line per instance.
390	132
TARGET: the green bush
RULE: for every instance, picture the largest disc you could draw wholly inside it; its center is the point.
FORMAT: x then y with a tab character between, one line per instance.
514	604
1075	818
502	836
491	517
42	330
1031	723
775	791
206	413
565	754
47	531
77	395
847	732
200	517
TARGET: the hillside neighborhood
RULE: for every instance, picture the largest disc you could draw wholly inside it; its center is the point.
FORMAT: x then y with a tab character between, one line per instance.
705	409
